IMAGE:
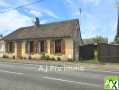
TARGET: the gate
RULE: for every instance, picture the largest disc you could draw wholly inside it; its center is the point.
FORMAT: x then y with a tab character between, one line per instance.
108	53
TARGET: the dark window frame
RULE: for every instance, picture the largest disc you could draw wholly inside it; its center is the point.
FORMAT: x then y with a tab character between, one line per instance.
41	46
57	46
10	47
31	46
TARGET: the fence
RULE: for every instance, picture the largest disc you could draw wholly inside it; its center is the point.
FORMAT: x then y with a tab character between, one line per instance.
86	52
108	53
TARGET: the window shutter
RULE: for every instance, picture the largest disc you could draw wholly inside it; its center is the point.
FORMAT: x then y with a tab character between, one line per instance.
45	45
6	47
35	46
26	47
13	47
63	46
36	49
39	47
51	46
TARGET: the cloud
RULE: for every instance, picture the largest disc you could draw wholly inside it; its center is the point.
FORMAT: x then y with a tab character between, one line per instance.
42	12
69	1
89	24
3	3
73	7
90	31
36	13
12	20
35	10
94	2
43	21
50	13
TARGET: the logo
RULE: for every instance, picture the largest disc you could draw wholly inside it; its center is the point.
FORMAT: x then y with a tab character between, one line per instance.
111	82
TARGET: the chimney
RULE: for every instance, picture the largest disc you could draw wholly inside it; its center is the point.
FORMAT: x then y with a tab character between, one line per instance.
37	22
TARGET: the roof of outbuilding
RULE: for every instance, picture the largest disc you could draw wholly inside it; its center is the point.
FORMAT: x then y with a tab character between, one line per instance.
50	30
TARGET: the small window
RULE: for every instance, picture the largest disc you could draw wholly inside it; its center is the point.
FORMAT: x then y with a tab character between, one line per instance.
57	46
31	46
10	47
41	46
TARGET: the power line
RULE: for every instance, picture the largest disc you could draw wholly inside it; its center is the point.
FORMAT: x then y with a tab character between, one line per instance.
21	6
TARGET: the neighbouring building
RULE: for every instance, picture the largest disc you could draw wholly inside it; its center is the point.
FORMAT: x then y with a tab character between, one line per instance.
58	39
2	47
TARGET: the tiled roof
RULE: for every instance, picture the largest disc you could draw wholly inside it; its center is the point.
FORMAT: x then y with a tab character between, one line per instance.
50	30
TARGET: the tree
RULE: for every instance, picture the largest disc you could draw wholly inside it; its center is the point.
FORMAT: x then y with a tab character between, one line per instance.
117	40
100	39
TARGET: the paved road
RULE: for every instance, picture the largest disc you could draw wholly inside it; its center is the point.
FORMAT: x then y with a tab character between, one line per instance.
28	77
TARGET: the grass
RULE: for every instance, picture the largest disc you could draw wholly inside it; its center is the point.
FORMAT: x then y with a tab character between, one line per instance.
91	61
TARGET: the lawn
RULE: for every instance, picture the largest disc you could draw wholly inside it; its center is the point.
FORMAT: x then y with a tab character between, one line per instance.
92	61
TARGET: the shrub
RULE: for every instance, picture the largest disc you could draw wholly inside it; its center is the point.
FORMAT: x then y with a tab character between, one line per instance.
4	56
53	59
117	40
29	57
58	59
45	57
70	60
13	57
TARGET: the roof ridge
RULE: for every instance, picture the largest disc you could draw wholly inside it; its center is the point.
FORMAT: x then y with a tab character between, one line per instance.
55	22
54	29
61	21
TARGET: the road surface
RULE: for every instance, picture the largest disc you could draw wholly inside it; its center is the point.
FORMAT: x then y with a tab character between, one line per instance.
28	77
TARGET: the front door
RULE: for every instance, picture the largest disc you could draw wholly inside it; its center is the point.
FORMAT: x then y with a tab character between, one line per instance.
19	49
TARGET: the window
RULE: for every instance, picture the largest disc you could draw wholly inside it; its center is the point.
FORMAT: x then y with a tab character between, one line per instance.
57	46
42	46
10	47
31	46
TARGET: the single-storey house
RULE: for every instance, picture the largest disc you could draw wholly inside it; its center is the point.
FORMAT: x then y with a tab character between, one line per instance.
58	39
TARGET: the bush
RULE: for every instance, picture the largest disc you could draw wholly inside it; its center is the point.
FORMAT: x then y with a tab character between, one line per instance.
70	60
117	40
29	57
53	59
4	56
13	57
58	59
45	57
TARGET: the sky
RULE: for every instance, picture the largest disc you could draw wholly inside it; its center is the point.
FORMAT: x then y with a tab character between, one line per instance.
96	17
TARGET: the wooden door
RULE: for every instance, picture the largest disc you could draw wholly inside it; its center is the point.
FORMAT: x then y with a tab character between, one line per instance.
19	49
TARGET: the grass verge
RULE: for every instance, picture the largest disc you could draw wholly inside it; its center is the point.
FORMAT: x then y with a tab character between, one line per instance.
91	61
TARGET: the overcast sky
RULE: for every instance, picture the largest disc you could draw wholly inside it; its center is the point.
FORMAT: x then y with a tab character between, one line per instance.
98	17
